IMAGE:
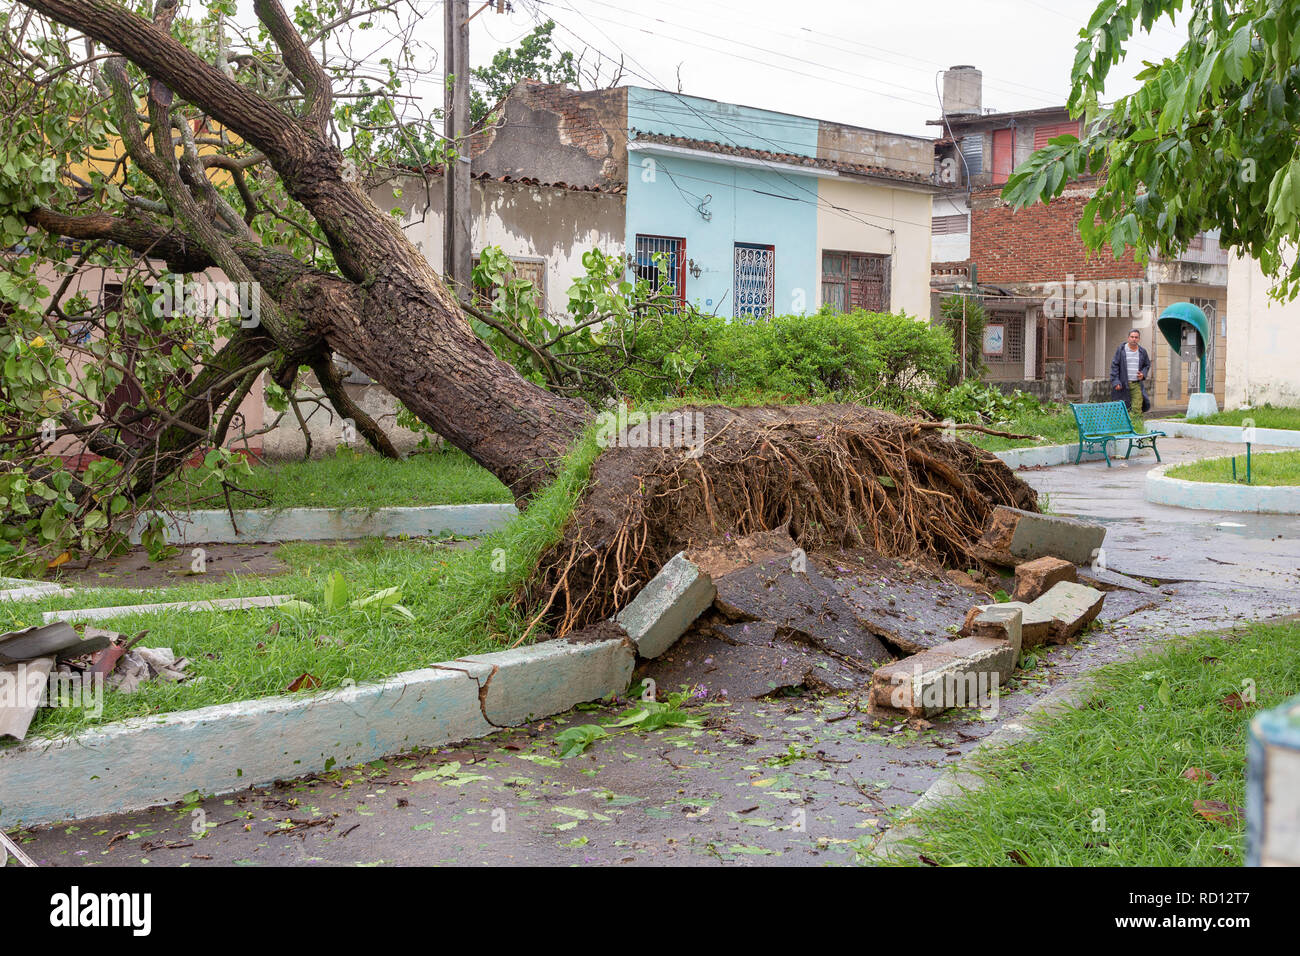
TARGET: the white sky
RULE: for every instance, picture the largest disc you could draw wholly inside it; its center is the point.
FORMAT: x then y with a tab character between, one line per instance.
869	63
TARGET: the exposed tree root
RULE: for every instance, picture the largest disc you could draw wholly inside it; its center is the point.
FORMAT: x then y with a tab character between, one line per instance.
840	475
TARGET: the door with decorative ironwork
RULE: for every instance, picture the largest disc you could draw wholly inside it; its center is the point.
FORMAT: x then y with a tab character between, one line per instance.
755	280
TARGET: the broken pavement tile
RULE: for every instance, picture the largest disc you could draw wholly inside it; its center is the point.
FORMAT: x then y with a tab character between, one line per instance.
805	602
1034	578
1071	606
1000	622
1035	624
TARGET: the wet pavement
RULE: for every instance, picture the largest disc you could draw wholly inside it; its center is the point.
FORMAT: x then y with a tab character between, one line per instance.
785	780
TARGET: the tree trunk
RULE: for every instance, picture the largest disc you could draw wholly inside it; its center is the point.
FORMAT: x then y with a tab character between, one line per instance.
398	322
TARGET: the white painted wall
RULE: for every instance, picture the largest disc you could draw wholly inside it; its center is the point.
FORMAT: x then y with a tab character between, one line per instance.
951	248
1264	340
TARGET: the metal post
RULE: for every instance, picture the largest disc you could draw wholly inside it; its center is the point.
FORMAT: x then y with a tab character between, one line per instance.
456	253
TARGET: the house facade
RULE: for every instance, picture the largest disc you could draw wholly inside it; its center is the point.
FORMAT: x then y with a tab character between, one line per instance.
1265	337
1056	312
743	212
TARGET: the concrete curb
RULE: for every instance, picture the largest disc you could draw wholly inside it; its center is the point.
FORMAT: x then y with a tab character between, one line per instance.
1216	496
1286	437
220	604
152	761
1046	456
260	525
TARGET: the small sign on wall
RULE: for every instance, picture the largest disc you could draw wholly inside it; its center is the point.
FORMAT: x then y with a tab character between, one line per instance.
994	339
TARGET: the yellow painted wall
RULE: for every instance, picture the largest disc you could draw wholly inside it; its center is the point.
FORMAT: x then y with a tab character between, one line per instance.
870	211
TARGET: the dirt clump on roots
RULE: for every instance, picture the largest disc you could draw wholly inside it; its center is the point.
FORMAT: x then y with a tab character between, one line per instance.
838	476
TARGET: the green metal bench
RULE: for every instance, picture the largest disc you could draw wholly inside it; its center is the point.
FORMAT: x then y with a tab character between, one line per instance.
1101	423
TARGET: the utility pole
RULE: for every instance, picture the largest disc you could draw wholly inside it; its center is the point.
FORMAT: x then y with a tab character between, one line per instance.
456	240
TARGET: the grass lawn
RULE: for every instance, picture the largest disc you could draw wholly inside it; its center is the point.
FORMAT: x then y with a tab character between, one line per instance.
1265	416
1120	763
1052	427
354	480
460	602
1273	468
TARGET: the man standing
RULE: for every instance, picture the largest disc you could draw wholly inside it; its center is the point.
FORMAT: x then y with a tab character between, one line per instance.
1129	370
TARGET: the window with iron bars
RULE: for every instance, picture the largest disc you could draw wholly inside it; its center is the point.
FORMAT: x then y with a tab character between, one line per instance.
755	280
855	280
661	261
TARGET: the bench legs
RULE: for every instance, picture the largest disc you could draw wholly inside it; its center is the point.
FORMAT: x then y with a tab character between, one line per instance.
1105	449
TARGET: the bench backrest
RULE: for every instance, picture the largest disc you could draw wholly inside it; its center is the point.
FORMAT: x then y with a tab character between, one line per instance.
1102	418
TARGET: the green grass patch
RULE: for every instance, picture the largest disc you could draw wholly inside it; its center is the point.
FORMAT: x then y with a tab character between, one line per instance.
1273	468
1103	785
349	479
460	602
1265	416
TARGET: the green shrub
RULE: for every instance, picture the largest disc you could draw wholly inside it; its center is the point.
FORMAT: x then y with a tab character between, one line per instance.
874	358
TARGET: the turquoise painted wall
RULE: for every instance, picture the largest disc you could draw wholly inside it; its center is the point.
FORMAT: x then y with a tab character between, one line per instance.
747	205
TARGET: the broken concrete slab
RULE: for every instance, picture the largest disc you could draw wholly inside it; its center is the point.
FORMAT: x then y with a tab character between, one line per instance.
1036	577
804	602
1071	606
1028	535
22	589
966	673
666	606
1000	622
747	661
221	604
910	607
1035	624
1103	579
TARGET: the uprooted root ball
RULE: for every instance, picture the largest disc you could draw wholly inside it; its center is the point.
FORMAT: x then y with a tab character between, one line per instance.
839	475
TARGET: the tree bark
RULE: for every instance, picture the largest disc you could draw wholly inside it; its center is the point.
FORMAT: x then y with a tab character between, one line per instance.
403	327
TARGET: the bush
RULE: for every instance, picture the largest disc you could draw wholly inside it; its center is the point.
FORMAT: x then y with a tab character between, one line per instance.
873	358
976	402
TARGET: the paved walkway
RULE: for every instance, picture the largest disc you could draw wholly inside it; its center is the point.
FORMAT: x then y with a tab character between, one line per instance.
790	781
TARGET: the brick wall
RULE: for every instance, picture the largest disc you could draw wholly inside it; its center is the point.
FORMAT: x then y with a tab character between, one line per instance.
1040	243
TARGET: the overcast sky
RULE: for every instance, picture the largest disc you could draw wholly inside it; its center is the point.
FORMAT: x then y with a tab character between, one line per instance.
868	62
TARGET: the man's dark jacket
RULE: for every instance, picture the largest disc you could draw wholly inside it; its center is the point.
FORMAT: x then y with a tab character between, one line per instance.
1119	375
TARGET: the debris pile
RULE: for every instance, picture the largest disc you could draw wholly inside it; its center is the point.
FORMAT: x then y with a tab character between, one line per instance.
39	664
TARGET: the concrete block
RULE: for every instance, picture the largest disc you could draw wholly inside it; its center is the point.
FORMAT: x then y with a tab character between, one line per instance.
965	673
1273	787
1035	624
1034	578
1027	535
1071	607
549	678
1000	622
667	606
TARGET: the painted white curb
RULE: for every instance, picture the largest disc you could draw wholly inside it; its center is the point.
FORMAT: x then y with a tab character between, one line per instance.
152	761
260	525
1048	455
1286	437
220	604
1216	496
